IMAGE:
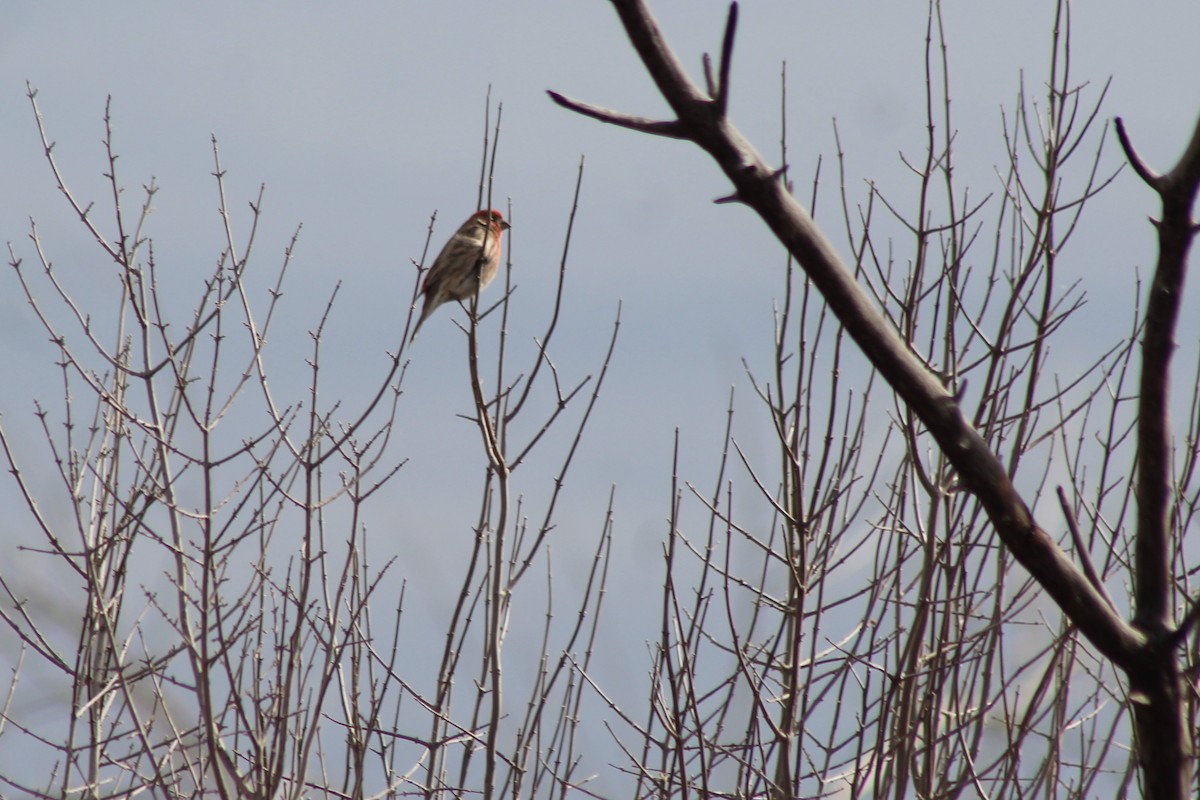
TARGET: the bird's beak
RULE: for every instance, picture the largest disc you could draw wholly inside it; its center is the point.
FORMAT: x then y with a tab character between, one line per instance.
504	225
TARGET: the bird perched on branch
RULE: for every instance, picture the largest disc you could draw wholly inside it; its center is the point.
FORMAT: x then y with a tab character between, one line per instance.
467	263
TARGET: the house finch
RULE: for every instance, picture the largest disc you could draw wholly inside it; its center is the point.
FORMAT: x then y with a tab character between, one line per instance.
467	263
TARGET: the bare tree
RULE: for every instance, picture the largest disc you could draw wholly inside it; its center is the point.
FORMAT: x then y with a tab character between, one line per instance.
264	662
904	699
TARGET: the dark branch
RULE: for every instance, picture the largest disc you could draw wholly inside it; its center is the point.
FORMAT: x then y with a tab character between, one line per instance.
1154	540
1081	548
721	100
1176	637
668	128
1135	161
1185	177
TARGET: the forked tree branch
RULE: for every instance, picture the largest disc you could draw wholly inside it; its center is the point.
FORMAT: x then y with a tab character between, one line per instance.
1177	190
1159	715
980	470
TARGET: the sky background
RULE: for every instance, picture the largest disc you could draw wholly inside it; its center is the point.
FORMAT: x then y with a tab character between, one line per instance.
361	123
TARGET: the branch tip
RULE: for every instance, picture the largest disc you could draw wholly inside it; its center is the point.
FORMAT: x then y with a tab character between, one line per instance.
714	89
722	96
1135	161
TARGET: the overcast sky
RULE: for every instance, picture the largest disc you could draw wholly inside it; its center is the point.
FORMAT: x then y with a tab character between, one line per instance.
363	123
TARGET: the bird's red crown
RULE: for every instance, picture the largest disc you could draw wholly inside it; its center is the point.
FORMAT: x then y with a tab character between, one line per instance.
493	216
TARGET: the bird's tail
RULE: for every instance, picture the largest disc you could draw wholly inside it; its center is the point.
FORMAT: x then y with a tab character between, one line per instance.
425	312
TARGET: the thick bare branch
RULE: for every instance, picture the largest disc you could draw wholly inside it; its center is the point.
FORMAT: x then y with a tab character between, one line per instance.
1177	190
979	469
1157	685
